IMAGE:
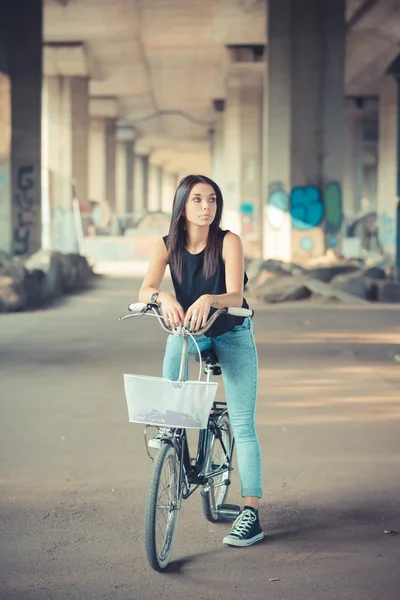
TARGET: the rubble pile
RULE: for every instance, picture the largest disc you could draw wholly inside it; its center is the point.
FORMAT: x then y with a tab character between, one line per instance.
45	275
330	278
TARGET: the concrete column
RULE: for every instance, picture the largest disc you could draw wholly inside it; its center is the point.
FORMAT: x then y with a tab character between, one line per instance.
388	162
353	171
97	159
124	181
121	176
242	139
102	160
130	174
155	187
80	136
141	185
217	148
110	145
370	184
20	126
65	154
304	127
168	191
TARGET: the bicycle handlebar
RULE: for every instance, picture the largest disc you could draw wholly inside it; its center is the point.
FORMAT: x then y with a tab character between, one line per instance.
140	308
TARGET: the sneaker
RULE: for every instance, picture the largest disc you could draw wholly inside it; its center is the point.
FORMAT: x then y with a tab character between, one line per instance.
155	442
246	530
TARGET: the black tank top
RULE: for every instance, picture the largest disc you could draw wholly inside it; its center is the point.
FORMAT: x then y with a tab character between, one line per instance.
195	285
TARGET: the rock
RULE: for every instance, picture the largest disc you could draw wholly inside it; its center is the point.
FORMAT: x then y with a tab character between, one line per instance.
11	298
253	269
389	291
260	270
75	271
378	260
45	275
375	273
318	289
5	259
64	272
356	284
51	264
283	289
35	281
326	274
277	266
329	258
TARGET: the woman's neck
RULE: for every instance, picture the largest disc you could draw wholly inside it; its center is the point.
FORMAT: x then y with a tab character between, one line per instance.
196	238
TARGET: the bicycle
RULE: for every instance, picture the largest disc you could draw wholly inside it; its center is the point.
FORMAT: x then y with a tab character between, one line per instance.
175	476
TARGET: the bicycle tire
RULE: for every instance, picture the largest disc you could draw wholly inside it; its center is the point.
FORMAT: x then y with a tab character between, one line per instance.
159	555
212	497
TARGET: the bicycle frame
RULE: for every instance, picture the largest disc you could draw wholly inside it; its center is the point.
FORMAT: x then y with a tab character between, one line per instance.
191	475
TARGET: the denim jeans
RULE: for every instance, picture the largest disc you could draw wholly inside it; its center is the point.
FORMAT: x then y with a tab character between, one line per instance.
237	356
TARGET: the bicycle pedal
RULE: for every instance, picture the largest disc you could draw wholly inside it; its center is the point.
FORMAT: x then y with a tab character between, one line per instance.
228	512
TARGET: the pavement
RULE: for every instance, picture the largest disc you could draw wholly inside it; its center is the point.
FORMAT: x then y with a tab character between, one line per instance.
73	471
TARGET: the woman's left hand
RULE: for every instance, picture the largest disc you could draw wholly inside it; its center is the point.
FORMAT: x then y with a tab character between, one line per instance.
198	313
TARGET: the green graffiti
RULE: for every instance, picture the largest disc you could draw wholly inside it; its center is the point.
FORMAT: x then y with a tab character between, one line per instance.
333	207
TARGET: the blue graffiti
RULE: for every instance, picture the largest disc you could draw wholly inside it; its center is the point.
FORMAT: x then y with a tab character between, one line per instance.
387	230
333	208
306	207
306	244
247	209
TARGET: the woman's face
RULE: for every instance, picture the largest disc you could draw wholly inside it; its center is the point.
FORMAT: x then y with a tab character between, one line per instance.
201	205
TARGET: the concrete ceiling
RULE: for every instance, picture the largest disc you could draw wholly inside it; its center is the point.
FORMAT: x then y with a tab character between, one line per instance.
164	61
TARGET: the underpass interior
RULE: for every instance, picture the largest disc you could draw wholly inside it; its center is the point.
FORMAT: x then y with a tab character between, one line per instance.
292	107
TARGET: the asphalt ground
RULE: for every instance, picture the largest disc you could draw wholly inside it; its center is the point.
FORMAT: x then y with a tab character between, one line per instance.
73	471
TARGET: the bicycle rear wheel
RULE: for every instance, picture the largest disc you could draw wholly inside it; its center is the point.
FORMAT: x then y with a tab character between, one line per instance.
219	456
162	507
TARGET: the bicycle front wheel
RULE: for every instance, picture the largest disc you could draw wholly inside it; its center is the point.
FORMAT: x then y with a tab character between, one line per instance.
219	458
162	507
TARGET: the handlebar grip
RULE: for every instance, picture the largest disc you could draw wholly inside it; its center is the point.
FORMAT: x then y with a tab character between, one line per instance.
136	307
240	312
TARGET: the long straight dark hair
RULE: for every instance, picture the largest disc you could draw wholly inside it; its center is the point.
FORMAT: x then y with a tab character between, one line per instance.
177	236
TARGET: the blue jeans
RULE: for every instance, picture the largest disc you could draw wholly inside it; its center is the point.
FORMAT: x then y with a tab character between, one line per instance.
237	356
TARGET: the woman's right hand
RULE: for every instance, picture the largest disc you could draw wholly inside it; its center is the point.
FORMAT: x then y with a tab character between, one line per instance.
171	309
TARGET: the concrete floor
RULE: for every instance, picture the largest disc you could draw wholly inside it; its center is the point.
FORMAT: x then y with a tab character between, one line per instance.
73	471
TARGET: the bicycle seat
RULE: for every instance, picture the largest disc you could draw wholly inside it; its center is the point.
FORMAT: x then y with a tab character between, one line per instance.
208	356
211	360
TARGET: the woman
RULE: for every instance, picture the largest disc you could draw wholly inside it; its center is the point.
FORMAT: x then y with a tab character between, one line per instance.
207	269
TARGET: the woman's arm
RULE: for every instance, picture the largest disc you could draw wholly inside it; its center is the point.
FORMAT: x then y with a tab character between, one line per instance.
155	272
172	310
232	254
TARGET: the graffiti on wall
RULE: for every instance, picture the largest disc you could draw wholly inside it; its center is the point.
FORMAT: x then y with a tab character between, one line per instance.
306	207
246	212
315	215
333	213
25	215
387	231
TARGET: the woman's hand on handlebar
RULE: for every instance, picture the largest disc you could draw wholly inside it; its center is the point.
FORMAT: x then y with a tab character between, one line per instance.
198	313
172	310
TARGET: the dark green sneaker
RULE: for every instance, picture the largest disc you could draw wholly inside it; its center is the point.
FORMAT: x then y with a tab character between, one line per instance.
246	529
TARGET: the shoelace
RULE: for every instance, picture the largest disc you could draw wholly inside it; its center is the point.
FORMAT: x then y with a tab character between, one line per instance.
244	523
